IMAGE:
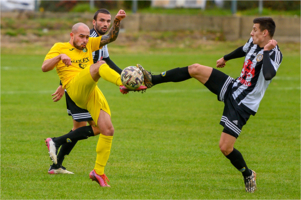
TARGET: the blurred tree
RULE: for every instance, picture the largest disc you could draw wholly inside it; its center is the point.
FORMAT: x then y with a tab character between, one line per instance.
108	4
274	5
140	4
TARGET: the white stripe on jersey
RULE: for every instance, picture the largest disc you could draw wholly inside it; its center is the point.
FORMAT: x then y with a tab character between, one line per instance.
94	34
101	53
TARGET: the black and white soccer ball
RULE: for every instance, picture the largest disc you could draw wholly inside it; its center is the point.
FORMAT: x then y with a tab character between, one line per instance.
132	77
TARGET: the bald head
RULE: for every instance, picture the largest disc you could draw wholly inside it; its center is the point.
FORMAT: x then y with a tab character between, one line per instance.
80	34
79	26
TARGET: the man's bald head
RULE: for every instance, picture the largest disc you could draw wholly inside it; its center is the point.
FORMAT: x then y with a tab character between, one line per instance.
79	26
79	35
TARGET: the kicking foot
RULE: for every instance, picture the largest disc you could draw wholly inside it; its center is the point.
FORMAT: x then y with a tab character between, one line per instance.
125	90
147	77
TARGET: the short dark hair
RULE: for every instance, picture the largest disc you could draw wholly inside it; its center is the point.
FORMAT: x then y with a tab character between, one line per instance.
102	10
266	23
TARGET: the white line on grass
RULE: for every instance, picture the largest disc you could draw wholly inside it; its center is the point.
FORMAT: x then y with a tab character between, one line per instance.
20	68
151	91
38	68
286	78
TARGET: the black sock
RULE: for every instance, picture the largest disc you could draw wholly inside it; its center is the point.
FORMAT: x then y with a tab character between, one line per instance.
78	134
173	75
238	162
65	150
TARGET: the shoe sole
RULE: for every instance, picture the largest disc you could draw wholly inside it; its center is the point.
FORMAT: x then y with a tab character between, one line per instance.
52	155
59	171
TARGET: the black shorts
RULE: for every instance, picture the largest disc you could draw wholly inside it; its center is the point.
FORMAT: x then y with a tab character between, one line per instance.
77	113
234	117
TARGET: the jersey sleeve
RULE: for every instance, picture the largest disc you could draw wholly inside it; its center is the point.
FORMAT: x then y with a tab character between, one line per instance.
54	51
237	53
271	62
95	42
276	57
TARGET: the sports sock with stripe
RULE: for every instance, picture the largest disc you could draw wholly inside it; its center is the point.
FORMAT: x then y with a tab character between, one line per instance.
173	75
238	162
65	150
78	134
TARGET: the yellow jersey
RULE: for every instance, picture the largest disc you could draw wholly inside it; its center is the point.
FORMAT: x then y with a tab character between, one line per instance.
80	59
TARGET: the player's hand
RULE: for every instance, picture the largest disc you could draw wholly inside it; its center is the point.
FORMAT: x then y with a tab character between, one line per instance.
65	59
120	15
220	63
58	94
270	45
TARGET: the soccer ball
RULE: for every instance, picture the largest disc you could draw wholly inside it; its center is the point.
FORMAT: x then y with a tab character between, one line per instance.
132	77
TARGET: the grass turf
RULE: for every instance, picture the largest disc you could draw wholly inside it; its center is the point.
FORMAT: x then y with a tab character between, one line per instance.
166	140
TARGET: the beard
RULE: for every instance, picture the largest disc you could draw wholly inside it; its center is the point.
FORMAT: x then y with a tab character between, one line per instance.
78	47
100	31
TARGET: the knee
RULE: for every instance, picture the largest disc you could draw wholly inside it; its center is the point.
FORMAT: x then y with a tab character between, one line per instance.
109	131
194	69
225	149
95	67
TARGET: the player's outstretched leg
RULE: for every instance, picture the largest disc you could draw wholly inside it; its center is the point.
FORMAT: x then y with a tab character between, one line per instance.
173	75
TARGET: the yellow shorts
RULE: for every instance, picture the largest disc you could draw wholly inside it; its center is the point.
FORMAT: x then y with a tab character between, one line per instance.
83	90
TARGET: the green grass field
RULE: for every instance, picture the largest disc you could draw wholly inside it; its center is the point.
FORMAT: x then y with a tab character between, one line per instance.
166	140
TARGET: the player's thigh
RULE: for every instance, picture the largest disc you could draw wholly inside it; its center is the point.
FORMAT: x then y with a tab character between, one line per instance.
200	72
96	103
94	70
77	125
80	88
105	123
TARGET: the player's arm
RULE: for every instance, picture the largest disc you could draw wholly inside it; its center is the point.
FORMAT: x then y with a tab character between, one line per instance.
114	31
49	64
237	53
112	65
268	68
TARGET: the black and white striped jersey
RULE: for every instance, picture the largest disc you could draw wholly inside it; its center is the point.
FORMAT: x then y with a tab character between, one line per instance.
249	88
101	53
